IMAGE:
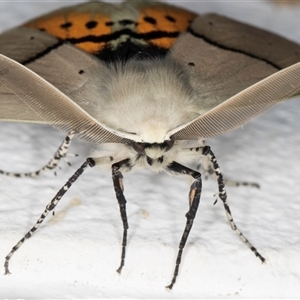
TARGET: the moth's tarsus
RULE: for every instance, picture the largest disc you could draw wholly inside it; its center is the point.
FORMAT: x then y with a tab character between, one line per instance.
263	260
6	272
229	182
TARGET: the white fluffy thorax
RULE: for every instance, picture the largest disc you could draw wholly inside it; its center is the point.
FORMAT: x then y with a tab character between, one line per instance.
147	98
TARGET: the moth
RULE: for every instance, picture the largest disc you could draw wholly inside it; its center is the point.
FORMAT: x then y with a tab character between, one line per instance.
147	79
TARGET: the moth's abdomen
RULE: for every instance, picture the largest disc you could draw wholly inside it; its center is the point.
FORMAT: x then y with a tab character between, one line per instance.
117	32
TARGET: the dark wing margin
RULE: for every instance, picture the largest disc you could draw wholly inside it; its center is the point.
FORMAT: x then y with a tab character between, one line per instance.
224	57
61	64
243	38
237	71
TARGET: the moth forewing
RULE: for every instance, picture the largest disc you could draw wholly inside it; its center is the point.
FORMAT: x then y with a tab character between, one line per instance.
243	107
51	104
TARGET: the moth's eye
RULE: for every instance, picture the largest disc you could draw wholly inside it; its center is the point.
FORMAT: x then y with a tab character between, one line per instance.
138	147
168	145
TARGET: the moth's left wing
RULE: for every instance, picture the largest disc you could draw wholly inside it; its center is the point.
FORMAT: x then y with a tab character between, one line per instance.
243	107
224	57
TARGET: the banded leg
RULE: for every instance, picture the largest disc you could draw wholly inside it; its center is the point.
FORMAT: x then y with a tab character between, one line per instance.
194	200
223	196
51	205
209	171
52	164
119	189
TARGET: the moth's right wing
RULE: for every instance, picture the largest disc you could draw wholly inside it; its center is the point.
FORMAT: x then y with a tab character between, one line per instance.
63	65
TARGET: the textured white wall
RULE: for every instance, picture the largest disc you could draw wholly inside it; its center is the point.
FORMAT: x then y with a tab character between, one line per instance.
75	254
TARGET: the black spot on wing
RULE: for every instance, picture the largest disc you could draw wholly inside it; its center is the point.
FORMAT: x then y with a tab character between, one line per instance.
66	25
91	24
126	22
171	19
150	20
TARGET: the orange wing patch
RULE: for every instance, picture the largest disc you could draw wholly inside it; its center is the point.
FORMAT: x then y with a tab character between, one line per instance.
165	19
97	26
75	27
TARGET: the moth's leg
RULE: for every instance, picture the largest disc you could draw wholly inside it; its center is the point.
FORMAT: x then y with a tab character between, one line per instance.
208	170
223	196
90	162
194	199
119	190
52	164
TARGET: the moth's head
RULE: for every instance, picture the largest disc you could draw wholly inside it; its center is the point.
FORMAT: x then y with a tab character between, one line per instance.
153	150
146	99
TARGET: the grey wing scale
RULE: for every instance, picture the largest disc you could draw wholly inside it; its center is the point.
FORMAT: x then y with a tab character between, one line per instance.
219	64
52	105
21	45
12	109
62	65
216	74
225	58
241	108
236	36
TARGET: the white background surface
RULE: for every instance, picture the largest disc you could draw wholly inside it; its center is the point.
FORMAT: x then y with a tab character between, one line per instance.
75	254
